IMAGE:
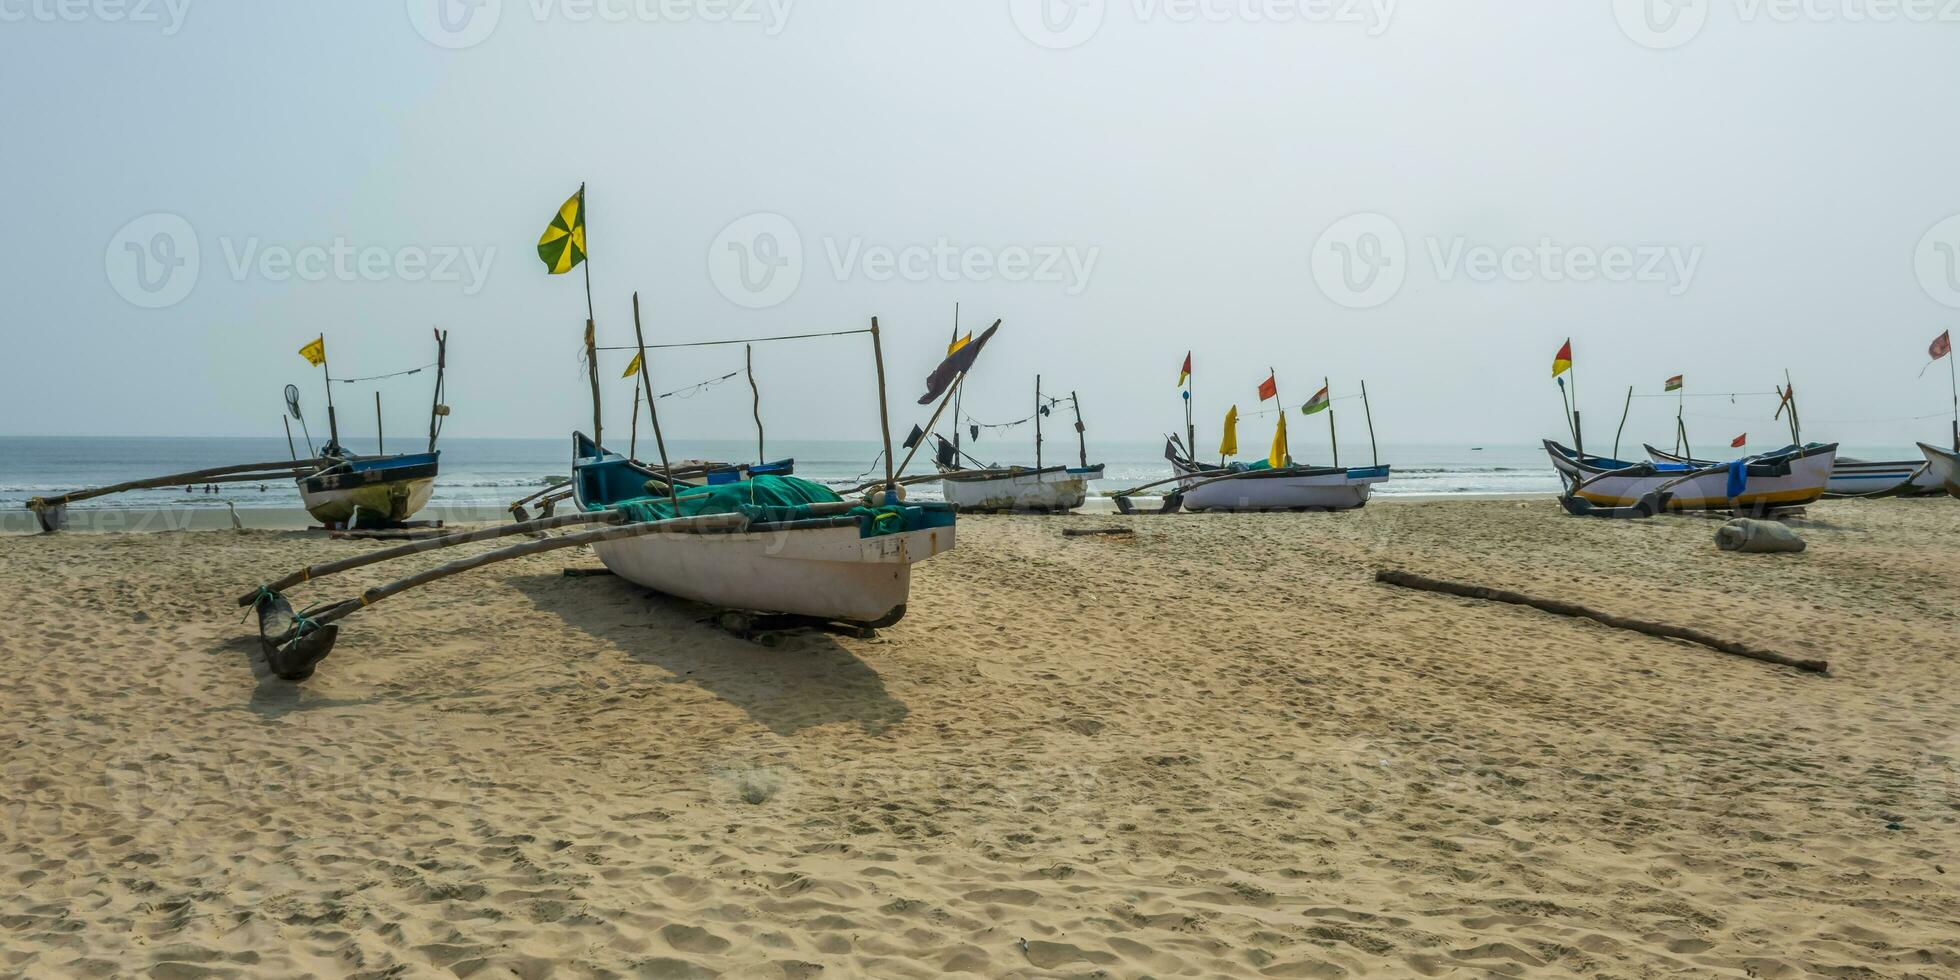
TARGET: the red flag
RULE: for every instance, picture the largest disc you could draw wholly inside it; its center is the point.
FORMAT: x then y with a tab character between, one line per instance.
1269	388
1942	345
1184	373
1739	441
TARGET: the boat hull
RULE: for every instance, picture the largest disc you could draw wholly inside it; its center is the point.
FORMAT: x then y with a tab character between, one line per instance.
1327	488
1042	491
1803	482
823	569
370	490
1853	477
1943	467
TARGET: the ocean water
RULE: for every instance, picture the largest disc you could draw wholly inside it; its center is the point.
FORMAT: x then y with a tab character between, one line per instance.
494	472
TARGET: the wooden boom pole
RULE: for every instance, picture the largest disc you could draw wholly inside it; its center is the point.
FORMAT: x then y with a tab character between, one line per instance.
653	410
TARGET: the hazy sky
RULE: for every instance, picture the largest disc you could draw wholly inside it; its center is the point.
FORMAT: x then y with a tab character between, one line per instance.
1429	195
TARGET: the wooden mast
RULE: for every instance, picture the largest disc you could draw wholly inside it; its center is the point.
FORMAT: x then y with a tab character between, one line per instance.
591	341
1624	410
748	356
333	427
1332	440
884	414
435	407
1374	452
1037	422
646	381
1081	434
379	444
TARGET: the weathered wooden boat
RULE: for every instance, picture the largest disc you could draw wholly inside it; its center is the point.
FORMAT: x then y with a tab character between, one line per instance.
1944	466
1049	489
1851	477
1260	487
366	491
831	561
1037	488
1787	478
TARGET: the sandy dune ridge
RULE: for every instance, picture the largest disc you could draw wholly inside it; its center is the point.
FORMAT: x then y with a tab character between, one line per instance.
1216	748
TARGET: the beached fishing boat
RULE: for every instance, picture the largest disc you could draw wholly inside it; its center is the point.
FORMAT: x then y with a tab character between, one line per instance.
1851	477
822	558
1259	486
355	490
1943	466
1037	488
1786	478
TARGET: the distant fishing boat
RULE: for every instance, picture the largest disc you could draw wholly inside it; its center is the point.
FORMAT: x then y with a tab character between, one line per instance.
1787	478
355	490
1040	489
1944	467
1852	477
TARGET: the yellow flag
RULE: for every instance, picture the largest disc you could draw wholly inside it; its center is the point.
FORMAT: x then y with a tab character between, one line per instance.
315	352
633	368
957	344
1278	458
562	247
1229	446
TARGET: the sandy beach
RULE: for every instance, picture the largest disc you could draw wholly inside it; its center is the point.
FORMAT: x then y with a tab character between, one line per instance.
1213	748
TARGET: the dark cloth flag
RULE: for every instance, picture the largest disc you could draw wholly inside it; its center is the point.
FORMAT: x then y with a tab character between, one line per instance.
1942	346
955	364
913	439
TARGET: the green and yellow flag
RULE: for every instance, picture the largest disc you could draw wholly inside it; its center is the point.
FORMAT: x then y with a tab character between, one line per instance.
563	246
633	368
315	352
1229	446
1278	457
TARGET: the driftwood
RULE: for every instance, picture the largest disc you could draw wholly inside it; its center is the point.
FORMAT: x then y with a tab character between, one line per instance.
1410	581
1083	532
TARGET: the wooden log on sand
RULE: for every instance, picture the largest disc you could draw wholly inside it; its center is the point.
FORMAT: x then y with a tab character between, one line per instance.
1410	581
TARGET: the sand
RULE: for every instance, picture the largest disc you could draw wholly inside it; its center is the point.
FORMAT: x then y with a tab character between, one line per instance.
1213	749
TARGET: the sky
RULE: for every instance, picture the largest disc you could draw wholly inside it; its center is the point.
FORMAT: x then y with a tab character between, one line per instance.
1429	196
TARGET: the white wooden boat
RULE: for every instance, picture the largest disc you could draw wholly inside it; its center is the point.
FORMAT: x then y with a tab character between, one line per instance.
831	567
1282	488
1944	467
1788	478
1852	477
1051	489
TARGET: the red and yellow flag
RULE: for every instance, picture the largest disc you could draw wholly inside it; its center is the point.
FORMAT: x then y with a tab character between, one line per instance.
1562	362
1184	374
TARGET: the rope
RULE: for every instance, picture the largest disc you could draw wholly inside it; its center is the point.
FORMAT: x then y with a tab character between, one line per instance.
688	391
750	340
853	481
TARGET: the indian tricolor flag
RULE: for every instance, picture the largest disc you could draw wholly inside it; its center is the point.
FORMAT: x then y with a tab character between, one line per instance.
1316	403
1673	384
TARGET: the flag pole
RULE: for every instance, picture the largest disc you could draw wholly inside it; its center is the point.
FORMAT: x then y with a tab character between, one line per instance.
1037	424
957	425
1374	452
1578	430
646	381
1953	382
591	340
1567	402
1081	433
1190	397
1332	439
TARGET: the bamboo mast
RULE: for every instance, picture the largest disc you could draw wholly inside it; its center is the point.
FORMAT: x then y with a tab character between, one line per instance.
748	356
1624	410
333	427
1081	433
633	429
884	414
380	444
1037	422
653	411
1374	452
1578	431
435	406
957	424
1332	439
1190	398
1953	382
